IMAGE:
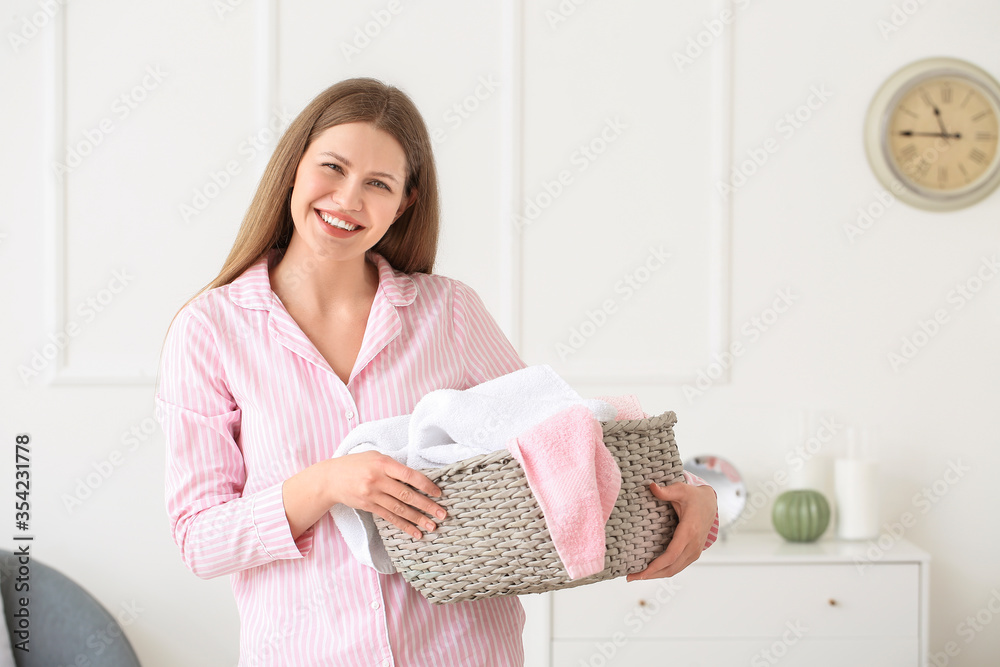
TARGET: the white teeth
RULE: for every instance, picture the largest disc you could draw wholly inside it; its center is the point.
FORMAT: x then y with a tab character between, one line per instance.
336	222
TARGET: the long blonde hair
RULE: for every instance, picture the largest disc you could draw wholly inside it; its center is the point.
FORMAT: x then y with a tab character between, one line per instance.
410	244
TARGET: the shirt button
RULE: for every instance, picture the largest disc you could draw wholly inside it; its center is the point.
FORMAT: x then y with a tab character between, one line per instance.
349	414
386	662
375	604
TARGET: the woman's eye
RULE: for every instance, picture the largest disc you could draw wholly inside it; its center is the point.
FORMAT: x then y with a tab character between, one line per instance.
335	167
380	184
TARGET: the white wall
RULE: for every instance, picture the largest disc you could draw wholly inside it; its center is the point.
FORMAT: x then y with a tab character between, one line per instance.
553	82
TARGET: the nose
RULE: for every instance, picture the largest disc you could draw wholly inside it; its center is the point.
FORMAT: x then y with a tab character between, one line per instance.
349	195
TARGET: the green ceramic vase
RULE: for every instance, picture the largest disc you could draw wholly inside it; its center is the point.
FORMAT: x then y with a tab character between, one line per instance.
801	515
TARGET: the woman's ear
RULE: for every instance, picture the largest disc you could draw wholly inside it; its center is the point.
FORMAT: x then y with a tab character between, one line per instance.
405	204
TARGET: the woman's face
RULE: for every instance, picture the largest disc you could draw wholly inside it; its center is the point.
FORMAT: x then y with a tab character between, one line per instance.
349	187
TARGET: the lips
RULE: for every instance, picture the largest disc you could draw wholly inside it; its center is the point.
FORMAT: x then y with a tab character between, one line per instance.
339	221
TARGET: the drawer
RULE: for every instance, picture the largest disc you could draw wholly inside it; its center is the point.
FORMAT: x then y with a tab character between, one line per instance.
747	601
899	652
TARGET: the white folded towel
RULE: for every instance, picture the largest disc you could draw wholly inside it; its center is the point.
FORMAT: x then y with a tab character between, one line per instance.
449	425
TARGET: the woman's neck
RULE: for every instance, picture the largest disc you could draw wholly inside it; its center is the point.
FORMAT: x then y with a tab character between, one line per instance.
321	286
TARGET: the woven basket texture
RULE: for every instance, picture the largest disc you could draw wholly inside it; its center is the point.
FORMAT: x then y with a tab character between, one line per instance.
495	542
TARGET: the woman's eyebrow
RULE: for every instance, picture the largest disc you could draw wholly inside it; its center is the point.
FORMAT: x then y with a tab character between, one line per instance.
347	163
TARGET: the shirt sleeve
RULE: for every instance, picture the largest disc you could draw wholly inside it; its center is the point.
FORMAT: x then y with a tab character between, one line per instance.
218	528
484	349
713	534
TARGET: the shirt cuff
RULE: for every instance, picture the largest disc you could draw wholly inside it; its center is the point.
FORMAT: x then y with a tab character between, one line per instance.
271	523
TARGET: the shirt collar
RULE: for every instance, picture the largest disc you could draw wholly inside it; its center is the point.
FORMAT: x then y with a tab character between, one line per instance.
252	288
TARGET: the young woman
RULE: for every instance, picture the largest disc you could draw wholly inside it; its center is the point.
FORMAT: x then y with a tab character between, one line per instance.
325	315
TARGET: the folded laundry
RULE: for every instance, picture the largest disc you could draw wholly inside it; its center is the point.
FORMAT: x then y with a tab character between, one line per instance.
575	480
450	425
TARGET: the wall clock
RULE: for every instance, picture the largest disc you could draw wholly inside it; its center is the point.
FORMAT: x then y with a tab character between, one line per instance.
931	134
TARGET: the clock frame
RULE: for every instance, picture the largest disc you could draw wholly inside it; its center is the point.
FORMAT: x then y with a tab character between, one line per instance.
931	134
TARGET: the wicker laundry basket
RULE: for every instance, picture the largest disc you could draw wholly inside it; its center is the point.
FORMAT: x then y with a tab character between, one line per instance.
494	540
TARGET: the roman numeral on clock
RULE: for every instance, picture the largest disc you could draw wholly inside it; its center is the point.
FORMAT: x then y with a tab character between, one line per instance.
961	168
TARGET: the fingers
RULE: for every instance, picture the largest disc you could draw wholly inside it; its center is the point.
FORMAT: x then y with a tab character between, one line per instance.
414	478
404	507
399	523
403	516
681	552
379	484
675	491
684	547
412	506
411	479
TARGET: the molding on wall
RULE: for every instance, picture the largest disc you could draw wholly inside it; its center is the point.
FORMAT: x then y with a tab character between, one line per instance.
722	211
55	216
266	62
54	221
511	163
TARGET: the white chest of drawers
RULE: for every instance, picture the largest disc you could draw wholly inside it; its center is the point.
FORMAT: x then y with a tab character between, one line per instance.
755	600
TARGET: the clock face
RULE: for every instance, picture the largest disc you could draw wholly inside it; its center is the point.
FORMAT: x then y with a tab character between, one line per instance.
931	134
941	134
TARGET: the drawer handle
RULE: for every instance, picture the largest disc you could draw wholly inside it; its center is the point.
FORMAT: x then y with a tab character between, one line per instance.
833	603
642	603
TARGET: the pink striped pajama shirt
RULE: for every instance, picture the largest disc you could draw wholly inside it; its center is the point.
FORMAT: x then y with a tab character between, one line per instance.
246	401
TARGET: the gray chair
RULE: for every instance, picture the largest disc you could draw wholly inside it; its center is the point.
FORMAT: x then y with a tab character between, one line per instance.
66	621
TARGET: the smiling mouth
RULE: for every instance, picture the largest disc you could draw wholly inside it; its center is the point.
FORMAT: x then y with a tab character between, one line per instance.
334	221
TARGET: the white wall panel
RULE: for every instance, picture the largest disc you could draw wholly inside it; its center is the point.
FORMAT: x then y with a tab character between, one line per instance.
621	150
157	105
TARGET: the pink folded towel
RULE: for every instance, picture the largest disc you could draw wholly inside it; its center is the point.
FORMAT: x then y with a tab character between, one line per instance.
576	482
627	405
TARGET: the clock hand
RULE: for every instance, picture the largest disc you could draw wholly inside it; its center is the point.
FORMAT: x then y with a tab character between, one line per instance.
911	133
937	114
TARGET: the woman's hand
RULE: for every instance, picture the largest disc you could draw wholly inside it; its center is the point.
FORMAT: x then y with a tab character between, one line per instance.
379	484
696	508
368	481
